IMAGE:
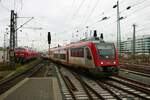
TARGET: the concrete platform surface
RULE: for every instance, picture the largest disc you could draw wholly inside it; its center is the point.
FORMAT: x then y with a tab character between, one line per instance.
34	89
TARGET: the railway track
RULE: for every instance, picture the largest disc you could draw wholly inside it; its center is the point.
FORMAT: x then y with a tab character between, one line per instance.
137	68
14	79
135	76
135	72
134	84
50	70
132	81
78	87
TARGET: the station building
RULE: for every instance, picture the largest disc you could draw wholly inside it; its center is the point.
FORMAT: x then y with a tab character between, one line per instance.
142	45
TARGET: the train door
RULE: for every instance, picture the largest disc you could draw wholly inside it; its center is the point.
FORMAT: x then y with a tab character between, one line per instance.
88	58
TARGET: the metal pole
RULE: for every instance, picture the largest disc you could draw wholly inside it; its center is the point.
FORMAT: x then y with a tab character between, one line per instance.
49	51
12	41
133	42
86	33
118	29
16	35
4	55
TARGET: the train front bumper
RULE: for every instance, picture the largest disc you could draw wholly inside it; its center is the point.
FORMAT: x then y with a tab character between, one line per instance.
105	71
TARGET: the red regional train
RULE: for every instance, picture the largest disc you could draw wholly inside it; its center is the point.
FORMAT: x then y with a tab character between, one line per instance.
23	54
94	55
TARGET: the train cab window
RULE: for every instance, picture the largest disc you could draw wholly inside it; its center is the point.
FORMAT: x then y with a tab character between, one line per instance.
88	54
106	51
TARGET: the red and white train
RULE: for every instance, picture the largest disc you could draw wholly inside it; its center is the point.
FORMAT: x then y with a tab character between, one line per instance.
23	54
94	55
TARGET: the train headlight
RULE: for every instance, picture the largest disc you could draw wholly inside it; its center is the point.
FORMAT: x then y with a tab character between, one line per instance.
114	62
102	63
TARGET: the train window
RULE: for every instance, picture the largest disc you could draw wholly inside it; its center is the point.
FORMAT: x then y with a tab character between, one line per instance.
63	56
56	55
81	54
17	49
88	54
77	52
72	52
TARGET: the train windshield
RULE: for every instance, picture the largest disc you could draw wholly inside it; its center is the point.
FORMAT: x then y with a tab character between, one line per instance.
106	51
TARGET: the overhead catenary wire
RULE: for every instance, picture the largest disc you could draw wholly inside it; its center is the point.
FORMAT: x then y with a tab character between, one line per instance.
2	5
137	10
85	13
77	10
139	29
14	5
21	2
72	5
135	4
19	6
131	6
92	11
82	25
108	11
126	16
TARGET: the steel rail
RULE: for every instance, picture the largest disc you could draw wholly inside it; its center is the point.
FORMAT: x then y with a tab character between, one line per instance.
68	86
133	81
10	82
134	72
86	85
73	87
139	88
129	92
109	90
85	88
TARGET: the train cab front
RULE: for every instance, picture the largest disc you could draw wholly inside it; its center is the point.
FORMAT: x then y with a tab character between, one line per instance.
106	62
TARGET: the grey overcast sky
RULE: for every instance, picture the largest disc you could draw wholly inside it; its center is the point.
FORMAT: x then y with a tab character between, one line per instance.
64	17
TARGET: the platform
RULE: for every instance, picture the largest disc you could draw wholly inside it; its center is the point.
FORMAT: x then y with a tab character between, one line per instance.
34	89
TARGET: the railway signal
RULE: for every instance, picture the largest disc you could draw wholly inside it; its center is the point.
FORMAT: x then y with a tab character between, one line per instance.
102	37
95	33
49	38
49	41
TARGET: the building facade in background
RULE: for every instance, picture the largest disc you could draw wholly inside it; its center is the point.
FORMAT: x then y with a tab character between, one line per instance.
142	45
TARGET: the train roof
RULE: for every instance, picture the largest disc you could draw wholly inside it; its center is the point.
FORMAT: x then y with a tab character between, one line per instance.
24	48
83	42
